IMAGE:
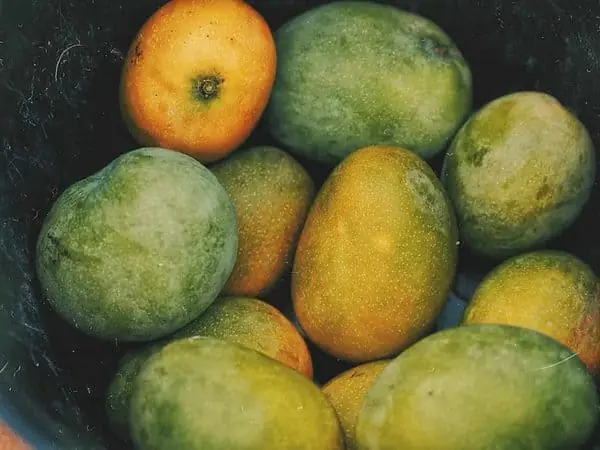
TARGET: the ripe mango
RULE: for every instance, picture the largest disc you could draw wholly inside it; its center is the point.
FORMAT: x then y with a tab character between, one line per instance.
255	324
271	193
550	291
377	255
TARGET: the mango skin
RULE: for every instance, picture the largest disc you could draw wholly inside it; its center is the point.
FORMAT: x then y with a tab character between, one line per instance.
208	394
552	292
138	249
118	393
271	193
249	322
255	324
377	255
480	387
356	73
346	393
518	172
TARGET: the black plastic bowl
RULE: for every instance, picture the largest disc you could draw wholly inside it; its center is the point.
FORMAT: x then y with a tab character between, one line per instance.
59	68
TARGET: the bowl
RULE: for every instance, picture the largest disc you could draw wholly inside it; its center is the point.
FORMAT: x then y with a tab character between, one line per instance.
59	70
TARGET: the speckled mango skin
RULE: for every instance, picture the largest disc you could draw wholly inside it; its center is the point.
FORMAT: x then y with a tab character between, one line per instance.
138	249
480	387
271	193
352	74
248	322
519	173
255	324
377	255
346	392
552	292
209	394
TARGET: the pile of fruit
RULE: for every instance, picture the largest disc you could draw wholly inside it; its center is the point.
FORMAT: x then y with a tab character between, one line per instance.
175	245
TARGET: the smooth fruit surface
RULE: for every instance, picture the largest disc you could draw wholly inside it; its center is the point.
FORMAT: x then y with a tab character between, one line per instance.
519	173
552	292
138	249
208	394
357	73
198	76
346	393
480	387
377	255
271	193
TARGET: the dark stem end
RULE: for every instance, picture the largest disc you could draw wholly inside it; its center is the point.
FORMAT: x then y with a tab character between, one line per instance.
207	87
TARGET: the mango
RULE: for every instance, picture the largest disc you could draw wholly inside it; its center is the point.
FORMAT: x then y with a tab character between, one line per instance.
271	193
376	257
209	394
550	291
484	386
519	173
255	324
140	248
357	73
248	322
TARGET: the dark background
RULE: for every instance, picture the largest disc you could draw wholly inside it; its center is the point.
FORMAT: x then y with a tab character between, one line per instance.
59	68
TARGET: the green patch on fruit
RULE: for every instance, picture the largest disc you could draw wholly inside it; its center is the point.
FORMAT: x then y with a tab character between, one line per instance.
429	199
